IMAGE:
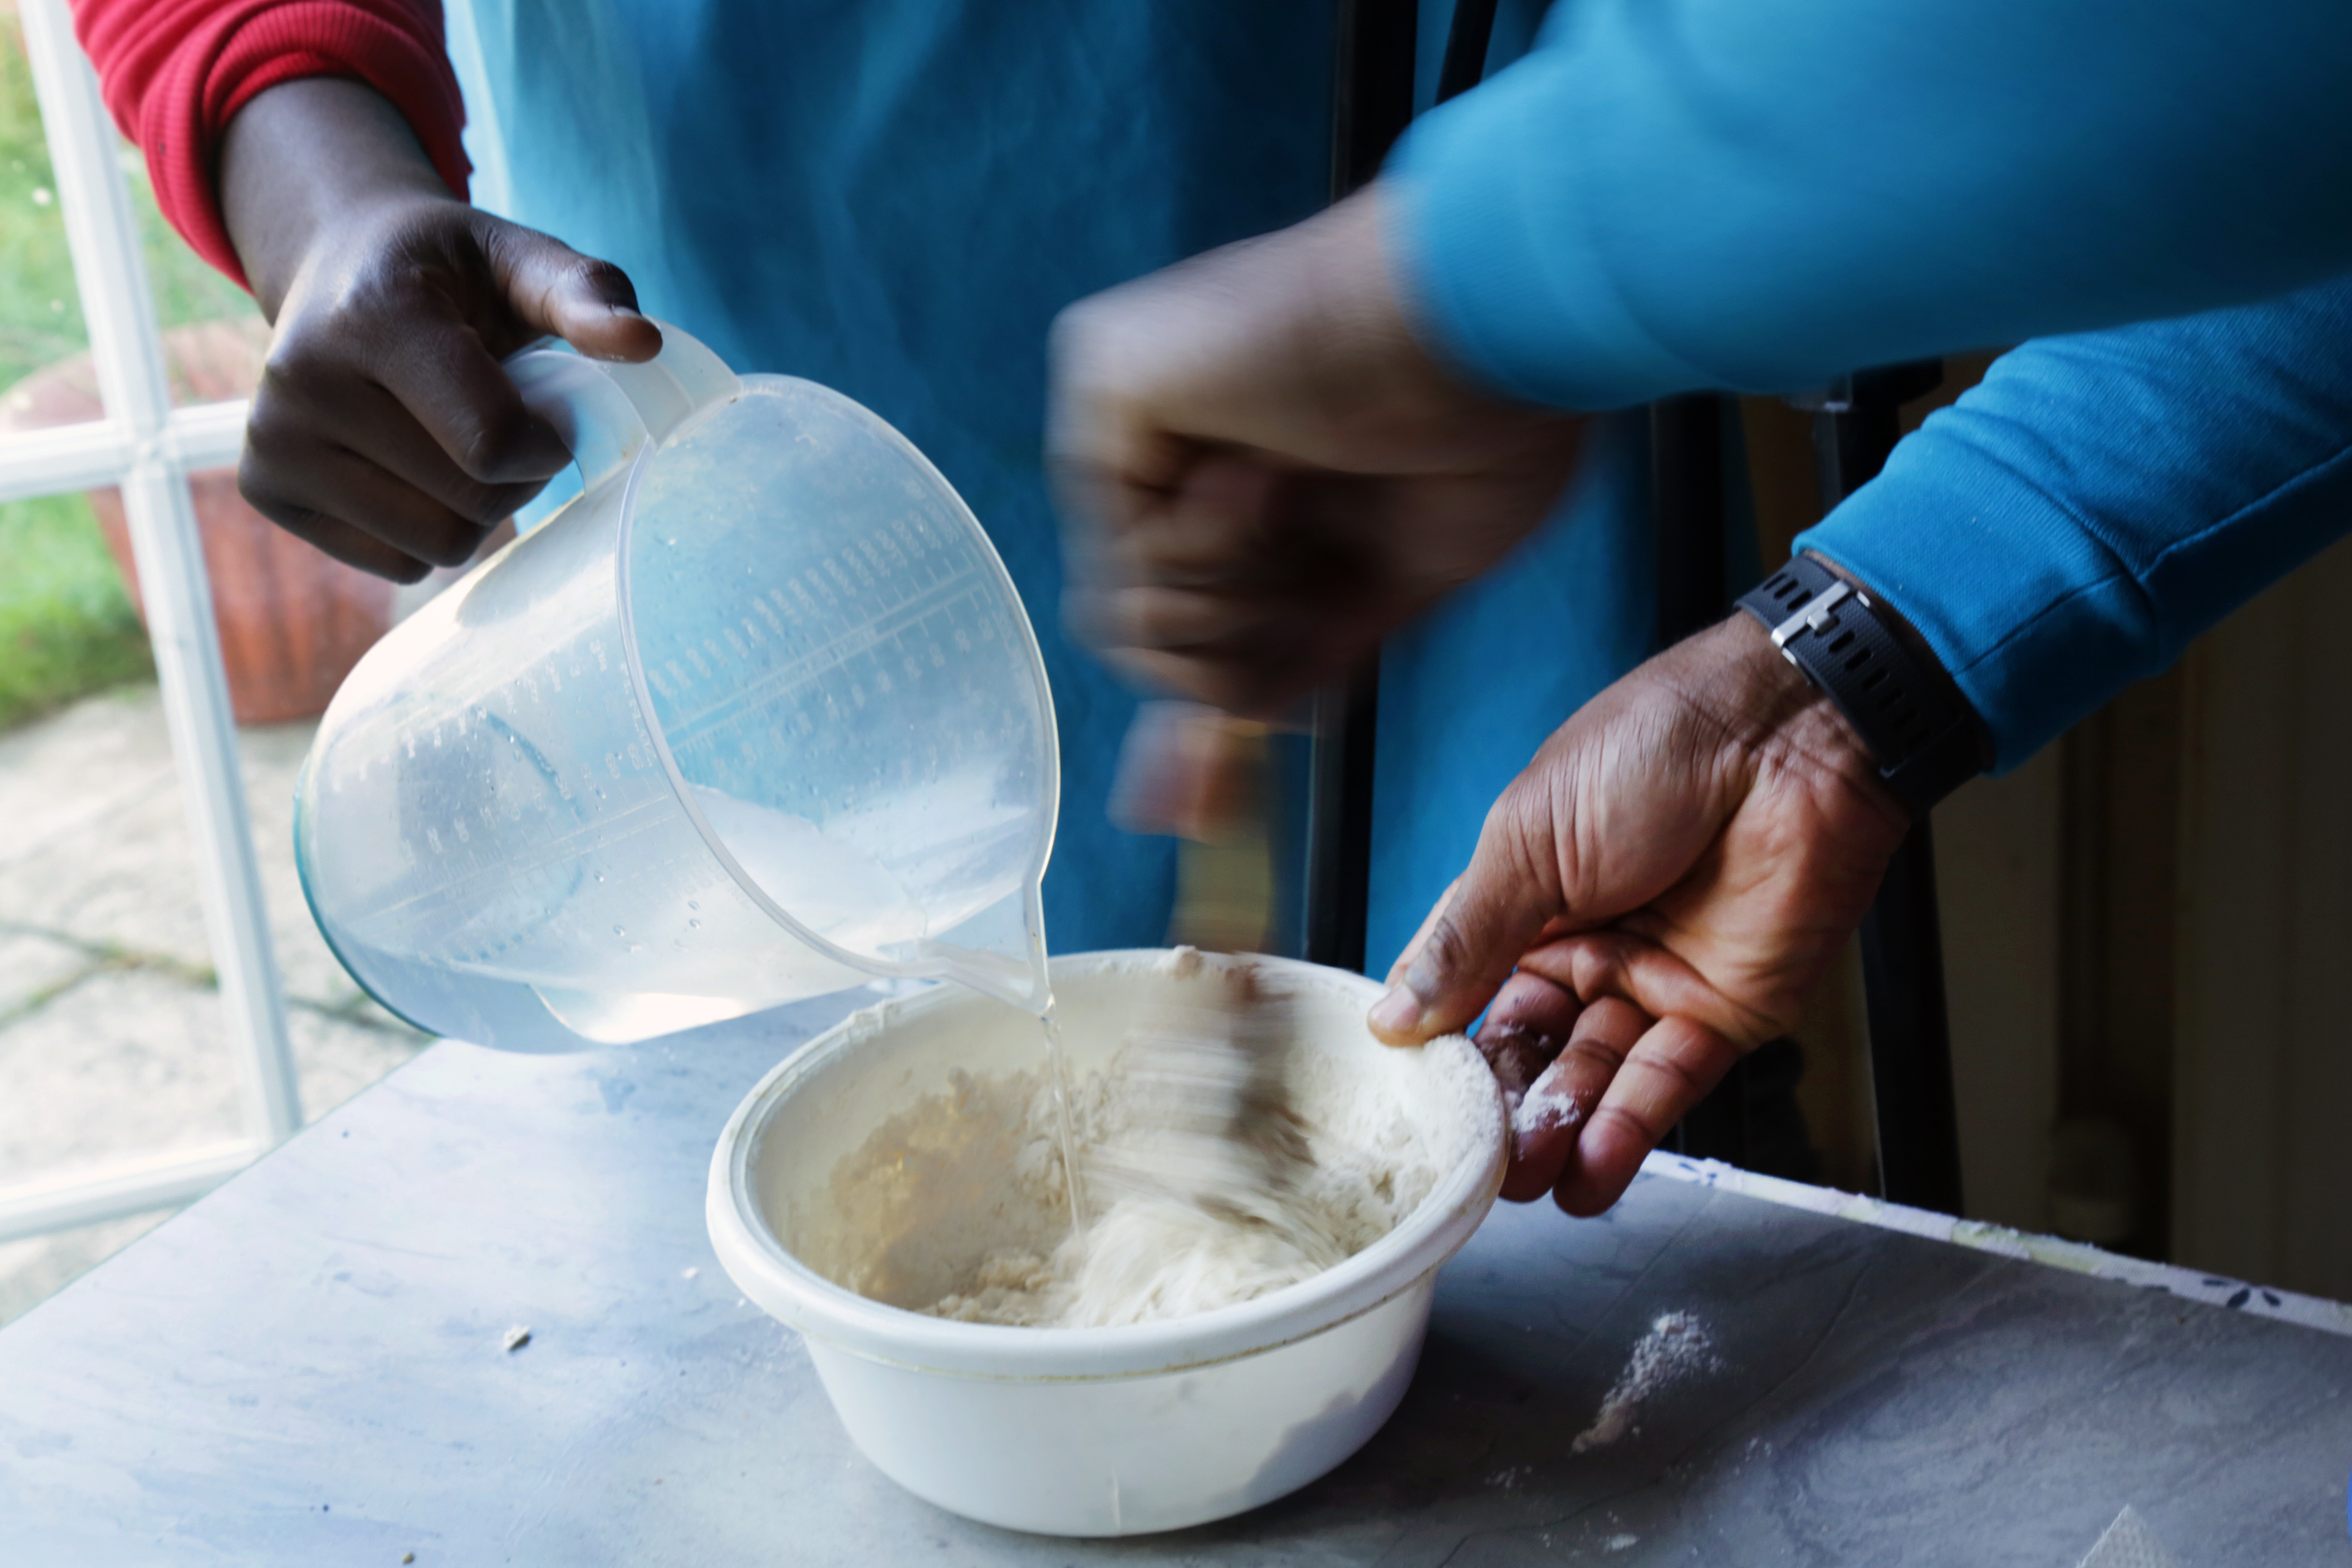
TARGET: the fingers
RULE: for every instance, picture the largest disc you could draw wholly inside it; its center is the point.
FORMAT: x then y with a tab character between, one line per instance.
557	291
1592	1087
1471	943
1616	962
1185	769
1548	1123
385	430
1667	1070
1188	589
333	537
356	511
442	366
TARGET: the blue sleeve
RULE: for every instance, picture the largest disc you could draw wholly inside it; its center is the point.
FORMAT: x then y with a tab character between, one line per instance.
2069	525
1676	194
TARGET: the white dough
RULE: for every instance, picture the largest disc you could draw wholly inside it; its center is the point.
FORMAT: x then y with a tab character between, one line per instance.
925	1243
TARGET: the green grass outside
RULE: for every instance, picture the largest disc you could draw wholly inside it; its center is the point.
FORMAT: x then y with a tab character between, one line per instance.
67	627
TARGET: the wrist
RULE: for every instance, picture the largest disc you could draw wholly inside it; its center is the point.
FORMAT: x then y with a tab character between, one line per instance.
1771	708
307	158
1378	377
1882	676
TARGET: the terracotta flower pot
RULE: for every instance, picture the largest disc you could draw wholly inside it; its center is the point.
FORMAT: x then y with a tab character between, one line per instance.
293	622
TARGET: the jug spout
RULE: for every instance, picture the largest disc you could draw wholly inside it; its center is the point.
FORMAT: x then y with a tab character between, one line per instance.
1000	951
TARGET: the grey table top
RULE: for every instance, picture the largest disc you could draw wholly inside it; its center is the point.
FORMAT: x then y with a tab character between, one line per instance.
306	1368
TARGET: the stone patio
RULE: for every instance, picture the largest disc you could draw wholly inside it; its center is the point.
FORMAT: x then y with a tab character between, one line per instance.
112	1042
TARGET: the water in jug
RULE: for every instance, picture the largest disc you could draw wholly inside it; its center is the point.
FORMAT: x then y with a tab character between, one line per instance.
758	716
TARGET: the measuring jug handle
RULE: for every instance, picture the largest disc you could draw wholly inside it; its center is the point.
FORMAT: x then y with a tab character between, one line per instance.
599	425
606	412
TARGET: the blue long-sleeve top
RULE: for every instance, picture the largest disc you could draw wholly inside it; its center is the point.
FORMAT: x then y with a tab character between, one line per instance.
1675	195
2070	523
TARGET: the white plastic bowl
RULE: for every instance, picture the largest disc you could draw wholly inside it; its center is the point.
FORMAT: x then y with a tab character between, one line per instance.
1112	1431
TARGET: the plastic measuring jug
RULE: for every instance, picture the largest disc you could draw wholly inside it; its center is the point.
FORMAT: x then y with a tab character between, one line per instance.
756	717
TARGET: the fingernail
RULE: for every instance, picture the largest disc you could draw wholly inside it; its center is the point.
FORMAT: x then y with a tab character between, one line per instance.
622	309
1397	1012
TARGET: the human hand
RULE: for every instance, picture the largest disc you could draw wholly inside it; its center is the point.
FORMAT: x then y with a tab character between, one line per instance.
1651	899
1264	471
1189	770
384	431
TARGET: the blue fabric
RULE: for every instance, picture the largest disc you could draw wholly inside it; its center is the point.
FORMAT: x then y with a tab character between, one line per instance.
1676	194
893	197
1471	690
2069	525
1673	194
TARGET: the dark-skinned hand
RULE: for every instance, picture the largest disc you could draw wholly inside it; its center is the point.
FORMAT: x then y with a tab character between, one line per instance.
1651	899
1262	471
383	431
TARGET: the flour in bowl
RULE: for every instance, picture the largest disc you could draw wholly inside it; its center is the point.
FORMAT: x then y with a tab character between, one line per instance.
957	1201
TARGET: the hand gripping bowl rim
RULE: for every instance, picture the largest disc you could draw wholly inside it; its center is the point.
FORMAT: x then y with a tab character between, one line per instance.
814	1305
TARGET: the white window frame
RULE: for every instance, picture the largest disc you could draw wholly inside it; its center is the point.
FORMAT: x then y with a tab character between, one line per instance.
149	448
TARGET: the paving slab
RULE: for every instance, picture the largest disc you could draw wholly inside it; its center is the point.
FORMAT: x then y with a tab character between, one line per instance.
131	1063
80	765
32	966
114	1045
128	1064
94	839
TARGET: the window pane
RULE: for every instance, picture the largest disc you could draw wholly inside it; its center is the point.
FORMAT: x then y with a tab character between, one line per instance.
45	374
113	1044
66	622
213	337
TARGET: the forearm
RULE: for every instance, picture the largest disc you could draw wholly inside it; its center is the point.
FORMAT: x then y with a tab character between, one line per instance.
178	73
1675	195
303	156
2071	524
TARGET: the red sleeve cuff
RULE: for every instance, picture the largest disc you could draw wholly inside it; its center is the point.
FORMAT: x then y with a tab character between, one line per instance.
175	72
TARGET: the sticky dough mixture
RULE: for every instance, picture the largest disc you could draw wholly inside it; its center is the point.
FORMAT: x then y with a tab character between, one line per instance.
960	1204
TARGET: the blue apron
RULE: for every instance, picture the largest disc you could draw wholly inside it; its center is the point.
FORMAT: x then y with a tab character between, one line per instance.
893	197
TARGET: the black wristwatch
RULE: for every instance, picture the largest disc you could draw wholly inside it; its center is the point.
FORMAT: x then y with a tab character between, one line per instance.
1925	737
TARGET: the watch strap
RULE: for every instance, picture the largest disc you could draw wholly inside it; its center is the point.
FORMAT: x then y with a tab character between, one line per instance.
1922	735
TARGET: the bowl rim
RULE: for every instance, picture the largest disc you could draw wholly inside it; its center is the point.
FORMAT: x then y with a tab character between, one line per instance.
806	1300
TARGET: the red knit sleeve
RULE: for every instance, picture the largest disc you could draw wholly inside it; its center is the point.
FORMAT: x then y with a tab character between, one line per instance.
176	72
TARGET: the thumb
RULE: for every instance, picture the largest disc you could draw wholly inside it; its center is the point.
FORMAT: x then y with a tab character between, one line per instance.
1473	939
555	290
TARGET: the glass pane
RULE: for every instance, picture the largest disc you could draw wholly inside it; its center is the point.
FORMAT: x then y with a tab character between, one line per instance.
45	370
213	337
113	1044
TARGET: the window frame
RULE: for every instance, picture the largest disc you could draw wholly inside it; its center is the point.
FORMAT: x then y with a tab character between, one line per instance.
148	449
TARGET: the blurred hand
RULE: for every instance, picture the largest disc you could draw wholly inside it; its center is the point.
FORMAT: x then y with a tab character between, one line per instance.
383	431
1650	900
1190	770
1263	471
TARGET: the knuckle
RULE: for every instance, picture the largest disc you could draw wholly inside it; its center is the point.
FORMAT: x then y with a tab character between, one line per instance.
258	485
600	278
1448	949
489	443
1072	334
298	371
452	548
1630	1120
